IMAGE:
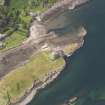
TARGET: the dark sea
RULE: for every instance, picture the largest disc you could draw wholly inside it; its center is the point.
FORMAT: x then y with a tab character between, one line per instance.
85	69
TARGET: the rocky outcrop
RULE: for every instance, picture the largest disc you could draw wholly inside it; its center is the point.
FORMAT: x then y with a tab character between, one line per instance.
37	32
59	7
2	36
37	86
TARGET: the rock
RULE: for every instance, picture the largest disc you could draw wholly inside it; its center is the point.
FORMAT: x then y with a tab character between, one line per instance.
38	18
2	36
2	2
61	6
32	14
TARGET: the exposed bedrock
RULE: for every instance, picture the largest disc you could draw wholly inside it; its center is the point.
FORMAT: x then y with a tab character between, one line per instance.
60	7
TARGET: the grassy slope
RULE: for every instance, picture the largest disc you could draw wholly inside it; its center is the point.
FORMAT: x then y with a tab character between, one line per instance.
14	40
70	48
23	6
18	81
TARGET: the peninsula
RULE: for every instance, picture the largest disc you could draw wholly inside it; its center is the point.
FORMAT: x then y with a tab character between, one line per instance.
39	58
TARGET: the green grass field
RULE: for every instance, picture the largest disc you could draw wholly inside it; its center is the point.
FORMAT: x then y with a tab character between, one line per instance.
14	84
14	40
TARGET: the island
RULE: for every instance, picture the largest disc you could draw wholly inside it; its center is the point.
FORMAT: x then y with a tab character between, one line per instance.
38	59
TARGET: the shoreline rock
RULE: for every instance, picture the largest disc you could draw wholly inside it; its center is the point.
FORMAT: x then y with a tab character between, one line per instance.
35	89
49	78
59	7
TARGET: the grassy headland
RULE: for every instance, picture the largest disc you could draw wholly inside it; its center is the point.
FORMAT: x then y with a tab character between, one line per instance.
71	48
14	85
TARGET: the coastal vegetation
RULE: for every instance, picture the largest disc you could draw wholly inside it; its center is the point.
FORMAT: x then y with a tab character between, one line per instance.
16	17
70	48
15	84
13	41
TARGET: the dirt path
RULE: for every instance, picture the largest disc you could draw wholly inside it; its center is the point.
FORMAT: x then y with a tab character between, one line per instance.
20	55
15	57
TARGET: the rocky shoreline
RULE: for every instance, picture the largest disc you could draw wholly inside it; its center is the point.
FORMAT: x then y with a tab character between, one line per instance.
37	85
60	7
48	79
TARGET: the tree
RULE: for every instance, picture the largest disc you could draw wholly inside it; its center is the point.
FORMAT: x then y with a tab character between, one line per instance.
7	2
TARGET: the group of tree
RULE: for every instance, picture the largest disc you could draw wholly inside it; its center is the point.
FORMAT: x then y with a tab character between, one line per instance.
11	16
42	3
8	18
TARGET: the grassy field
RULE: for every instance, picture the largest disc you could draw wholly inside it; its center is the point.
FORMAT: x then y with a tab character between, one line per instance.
14	40
14	84
70	48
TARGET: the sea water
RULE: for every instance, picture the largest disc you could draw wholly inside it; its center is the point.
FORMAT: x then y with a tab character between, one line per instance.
86	67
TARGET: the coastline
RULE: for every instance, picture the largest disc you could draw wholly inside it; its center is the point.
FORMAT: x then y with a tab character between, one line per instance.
34	89
62	6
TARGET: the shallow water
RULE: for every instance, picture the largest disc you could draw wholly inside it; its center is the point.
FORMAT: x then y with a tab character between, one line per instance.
86	67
